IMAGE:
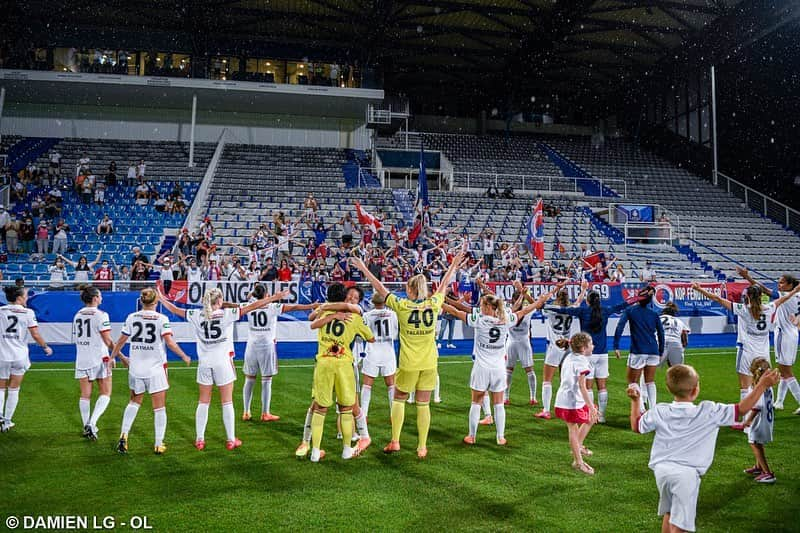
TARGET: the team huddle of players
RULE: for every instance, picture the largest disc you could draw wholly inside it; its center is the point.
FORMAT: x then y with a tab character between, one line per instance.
683	447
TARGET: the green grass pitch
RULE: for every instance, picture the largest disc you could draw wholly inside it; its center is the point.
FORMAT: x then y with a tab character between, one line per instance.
48	469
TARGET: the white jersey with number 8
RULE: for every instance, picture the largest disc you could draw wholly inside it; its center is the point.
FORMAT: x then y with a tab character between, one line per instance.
145	331
754	333
87	325
214	334
15	321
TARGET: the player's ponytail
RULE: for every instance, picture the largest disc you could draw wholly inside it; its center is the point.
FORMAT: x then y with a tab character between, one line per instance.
417	287
259	291
596	321
148	296
670	309
88	293
497	305
790	280
562	298
13	292
210	298
753	294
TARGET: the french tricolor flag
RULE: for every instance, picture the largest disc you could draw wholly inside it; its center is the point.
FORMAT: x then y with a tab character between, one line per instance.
536	231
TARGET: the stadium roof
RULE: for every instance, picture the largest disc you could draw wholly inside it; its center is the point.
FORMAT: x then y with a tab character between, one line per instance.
477	45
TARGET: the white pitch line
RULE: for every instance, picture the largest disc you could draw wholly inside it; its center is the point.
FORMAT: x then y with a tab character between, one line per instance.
176	367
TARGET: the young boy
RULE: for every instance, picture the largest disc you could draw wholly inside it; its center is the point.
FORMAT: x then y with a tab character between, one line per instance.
686	434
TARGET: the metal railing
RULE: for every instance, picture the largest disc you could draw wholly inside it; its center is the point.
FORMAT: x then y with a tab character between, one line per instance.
525	182
761	203
202	192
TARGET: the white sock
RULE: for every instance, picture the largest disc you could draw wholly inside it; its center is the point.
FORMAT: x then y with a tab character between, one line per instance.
2	399
547	395
201	420
160	423
591	396
642	393
651	395
99	408
266	394
411	397
509	377
602	400
500	420
487	409
361	425
436	388
532	383
228	420
366	396
391	398
307	426
474	418
128	417
783	388
793	386
11	403
85	406
247	392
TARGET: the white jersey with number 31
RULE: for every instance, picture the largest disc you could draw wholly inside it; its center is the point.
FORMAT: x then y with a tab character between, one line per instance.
90	349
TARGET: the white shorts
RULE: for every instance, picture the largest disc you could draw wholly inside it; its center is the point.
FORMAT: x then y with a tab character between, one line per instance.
487	379
220	374
678	488
554	355
638	361
673	354
744	359
599	366
101	371
261	359
786	346
156	383
379	361
14	368
519	351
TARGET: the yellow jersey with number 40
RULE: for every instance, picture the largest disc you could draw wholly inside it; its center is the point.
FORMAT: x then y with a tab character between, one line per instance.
417	320
336	337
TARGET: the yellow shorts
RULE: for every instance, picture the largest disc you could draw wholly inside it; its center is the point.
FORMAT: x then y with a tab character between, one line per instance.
413	380
334	375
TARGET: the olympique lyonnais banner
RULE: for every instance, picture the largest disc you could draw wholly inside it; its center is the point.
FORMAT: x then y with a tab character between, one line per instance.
690	302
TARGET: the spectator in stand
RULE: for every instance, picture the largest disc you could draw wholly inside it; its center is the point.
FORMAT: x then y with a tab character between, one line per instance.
347	230
166	270
123	276
12	235
269	272
27	234
103	276
55	162
137	256
58	274
648	274
140	169
207	229
310	205
142	194
111	177
131	174
100	190
140	274
492	192
162	205
82	267
5	218
86	189
83	162
488	242
42	238
618	274
508	192
285	271
105	226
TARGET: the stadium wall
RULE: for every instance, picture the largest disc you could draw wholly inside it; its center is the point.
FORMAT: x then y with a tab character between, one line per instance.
135	123
441	124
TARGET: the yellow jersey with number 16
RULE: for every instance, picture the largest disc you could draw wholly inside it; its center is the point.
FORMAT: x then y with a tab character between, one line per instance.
336	337
417	321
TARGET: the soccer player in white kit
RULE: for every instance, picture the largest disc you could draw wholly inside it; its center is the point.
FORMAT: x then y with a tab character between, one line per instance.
760	420
686	435
91	333
676	335
519	347
381	359
260	356
559	327
148	332
786	337
754	331
213	329
492	322
16	321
